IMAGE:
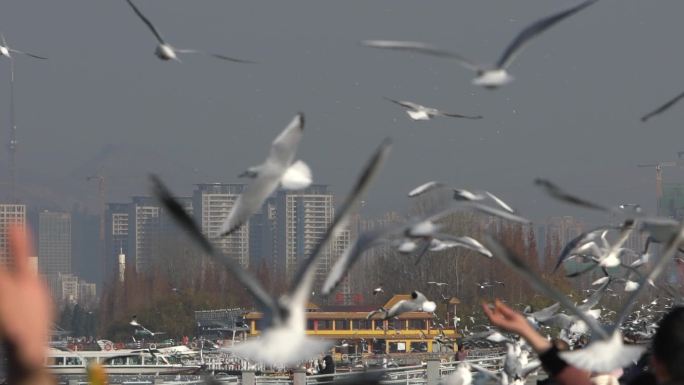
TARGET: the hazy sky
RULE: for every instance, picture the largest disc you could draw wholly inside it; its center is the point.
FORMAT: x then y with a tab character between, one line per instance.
104	100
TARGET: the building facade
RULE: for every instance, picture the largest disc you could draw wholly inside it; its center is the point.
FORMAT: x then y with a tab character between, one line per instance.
144	232
302	220
212	203
54	243
9	214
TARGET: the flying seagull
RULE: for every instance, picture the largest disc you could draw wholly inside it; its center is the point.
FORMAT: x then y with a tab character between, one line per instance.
487	77
419	112
166	52
460	195
559	194
425	187
284	340
663	108
7	52
278	169
418	302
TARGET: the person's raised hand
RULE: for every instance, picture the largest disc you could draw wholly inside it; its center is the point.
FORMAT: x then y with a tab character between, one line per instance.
503	317
25	305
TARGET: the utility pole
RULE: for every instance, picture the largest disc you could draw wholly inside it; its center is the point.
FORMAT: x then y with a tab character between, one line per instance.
12	145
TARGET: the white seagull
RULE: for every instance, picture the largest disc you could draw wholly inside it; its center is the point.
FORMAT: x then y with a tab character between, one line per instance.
278	169
284	339
487	77
7	52
416	111
166	52
417	303
425	187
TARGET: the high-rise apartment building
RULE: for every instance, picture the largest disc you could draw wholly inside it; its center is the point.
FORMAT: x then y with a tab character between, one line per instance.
144	232
54	242
9	214
212	203
302	219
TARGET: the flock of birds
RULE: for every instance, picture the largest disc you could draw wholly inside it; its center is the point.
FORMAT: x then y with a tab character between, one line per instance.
284	340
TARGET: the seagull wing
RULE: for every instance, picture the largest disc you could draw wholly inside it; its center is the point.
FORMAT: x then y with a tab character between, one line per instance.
455	115
513	261
663	108
282	154
216	55
249	202
559	194
422	48
405	104
595	297
26	53
500	202
304	276
173	208
486	372
466	242
604	356
425	187
364	242
147	22
573	244
535	29
284	147
424	247
499	213
401	307
546	313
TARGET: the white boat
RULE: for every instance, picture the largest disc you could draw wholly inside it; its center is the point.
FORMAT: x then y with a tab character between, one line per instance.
123	361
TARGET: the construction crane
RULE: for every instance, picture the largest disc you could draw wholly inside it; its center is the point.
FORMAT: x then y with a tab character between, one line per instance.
659	175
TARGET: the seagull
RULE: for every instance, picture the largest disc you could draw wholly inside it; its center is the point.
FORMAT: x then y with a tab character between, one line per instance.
438	284
465	242
380	310
166	52
663	108
497	76
134	322
378	290
424	188
7	52
607	351
284	339
419	112
418	302
559	194
278	169
541	316
460	194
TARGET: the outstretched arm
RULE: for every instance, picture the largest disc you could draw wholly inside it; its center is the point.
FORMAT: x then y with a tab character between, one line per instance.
512	321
